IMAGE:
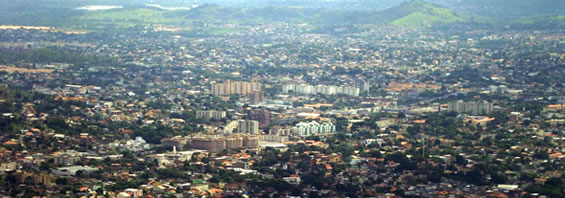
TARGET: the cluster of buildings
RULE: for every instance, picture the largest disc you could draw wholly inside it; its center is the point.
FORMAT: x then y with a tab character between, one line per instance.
235	87
313	128
213	143
220	143
403	82
304	129
306	89
136	145
252	90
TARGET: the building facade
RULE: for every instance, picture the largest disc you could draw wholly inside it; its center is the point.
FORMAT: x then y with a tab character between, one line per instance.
264	117
211	114
473	108
305	129
219	143
235	87
305	89
248	126
363	85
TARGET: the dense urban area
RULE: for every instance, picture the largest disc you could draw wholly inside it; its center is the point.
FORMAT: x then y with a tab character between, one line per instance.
283	110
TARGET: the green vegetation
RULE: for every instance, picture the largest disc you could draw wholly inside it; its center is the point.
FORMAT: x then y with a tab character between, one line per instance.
420	13
50	55
539	22
409	13
129	17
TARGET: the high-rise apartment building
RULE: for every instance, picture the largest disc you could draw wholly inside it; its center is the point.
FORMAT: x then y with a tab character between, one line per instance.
219	143
264	117
305	89
474	108
305	129
217	115
235	87
248	126
363	85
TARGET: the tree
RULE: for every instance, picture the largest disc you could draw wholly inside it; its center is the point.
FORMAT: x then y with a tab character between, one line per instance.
541	155
62	181
460	160
80	174
45	166
28	181
401	115
341	124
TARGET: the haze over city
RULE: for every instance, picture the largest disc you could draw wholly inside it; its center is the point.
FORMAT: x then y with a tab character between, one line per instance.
282	98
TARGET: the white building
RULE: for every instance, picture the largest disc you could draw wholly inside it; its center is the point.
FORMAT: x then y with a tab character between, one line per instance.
305	89
305	129
217	115
248	126
138	144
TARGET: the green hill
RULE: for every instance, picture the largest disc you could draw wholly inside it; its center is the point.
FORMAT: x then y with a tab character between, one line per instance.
408	13
421	13
414	12
216	13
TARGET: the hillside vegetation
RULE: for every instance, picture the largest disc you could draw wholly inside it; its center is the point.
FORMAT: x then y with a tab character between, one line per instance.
407	13
420	13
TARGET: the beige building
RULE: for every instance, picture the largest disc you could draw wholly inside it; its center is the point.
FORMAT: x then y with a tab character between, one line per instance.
177	141
219	143
67	158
